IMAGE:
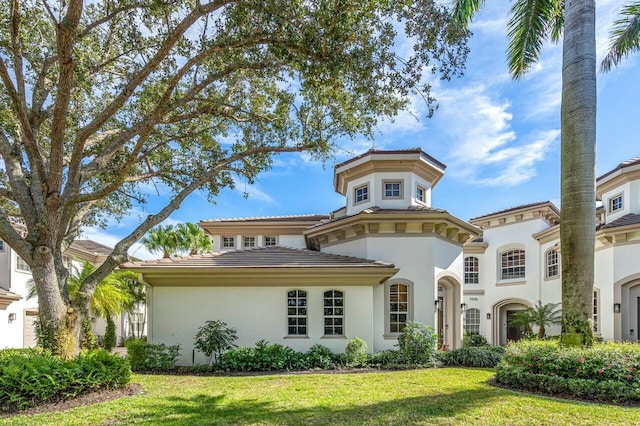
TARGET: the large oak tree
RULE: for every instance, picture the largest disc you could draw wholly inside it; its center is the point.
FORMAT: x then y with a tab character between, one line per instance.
99	100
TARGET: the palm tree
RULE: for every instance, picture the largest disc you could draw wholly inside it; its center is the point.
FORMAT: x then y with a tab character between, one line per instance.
530	24
521	320
544	315
191	238
625	36
161	239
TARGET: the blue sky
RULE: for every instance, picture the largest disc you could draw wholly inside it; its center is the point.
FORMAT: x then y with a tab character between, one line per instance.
500	139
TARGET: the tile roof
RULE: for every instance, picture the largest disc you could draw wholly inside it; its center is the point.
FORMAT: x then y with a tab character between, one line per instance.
93	247
628	219
393	151
377	210
510	209
264	257
9	295
299	218
631	162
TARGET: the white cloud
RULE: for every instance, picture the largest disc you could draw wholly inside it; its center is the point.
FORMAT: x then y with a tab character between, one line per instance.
252	191
486	150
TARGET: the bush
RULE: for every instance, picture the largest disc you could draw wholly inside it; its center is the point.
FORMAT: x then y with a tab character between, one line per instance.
319	356
30	377
355	354
474	340
109	341
87	338
144	356
472	356
604	372
263	357
417	344
213	338
386	359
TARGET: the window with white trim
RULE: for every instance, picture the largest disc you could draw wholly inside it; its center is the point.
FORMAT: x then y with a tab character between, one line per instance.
392	189
297	313
398	307
472	321
552	265
596	311
421	194
616	203
228	242
270	241
361	194
512	264
333	313
249	242
21	265
1	245
471	275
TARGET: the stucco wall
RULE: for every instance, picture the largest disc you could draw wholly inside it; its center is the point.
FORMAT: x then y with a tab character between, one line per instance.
256	313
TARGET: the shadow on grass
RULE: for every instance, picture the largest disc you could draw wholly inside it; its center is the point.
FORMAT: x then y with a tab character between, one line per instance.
214	410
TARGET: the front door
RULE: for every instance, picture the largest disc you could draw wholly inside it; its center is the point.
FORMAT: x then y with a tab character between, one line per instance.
440	317
514	332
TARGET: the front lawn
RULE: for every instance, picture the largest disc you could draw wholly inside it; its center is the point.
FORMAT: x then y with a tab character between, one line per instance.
433	396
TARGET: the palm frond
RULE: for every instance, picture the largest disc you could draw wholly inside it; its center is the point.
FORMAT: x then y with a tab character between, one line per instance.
624	37
528	28
464	10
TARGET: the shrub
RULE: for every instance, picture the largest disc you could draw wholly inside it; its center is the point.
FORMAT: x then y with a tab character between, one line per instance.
319	356
604	372
263	357
417	344
386	359
30	377
109	340
356	353
144	356
472	356
213	338
474	340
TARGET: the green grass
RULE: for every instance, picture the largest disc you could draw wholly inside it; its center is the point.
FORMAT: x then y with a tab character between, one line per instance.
435	396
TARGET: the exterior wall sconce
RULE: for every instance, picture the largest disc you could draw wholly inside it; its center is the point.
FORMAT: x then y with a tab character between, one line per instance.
488	315
12	317
616	308
463	306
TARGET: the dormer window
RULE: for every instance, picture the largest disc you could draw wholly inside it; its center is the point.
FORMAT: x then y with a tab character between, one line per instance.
249	242
615	203
421	194
392	189
361	194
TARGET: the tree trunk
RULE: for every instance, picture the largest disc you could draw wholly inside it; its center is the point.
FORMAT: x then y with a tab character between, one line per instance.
578	118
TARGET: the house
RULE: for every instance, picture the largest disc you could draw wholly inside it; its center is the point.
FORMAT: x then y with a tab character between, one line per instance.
387	257
18	313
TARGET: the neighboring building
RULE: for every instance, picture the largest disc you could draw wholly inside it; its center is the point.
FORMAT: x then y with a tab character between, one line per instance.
18	313
388	257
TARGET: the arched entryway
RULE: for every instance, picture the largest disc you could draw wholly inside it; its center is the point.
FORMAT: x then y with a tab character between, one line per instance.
627	321
448	312
502	331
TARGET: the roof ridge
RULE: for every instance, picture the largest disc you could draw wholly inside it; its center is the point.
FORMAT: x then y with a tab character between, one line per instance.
291	216
510	209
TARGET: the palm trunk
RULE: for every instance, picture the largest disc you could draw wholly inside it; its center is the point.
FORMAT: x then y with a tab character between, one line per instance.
578	117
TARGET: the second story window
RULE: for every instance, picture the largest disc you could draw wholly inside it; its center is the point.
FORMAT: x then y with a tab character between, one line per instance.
249	242
21	265
392	189
270	241
512	264
421	194
471	270
552	266
361	194
615	203
228	242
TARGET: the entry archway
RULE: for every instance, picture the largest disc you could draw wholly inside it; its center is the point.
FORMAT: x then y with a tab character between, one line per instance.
449	312
500	312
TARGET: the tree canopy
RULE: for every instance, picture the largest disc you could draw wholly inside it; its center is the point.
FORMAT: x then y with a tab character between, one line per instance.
102	100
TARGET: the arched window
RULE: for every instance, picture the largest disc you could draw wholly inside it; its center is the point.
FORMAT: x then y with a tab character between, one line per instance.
297	312
512	264
333	313
552	265
471	270
398	307
472	321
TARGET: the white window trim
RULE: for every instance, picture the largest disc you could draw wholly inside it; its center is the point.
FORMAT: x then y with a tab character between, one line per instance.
344	309
355	194
270	236
24	271
386	182
306	316
504	251
387	300
546	264
233	242
611	202
466	320
476	272
244	242
597	312
424	194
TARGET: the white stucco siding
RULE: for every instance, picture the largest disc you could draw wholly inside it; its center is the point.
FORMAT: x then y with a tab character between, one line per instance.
293	241
256	313
604	280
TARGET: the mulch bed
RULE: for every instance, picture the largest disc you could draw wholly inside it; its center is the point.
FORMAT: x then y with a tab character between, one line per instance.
86	399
